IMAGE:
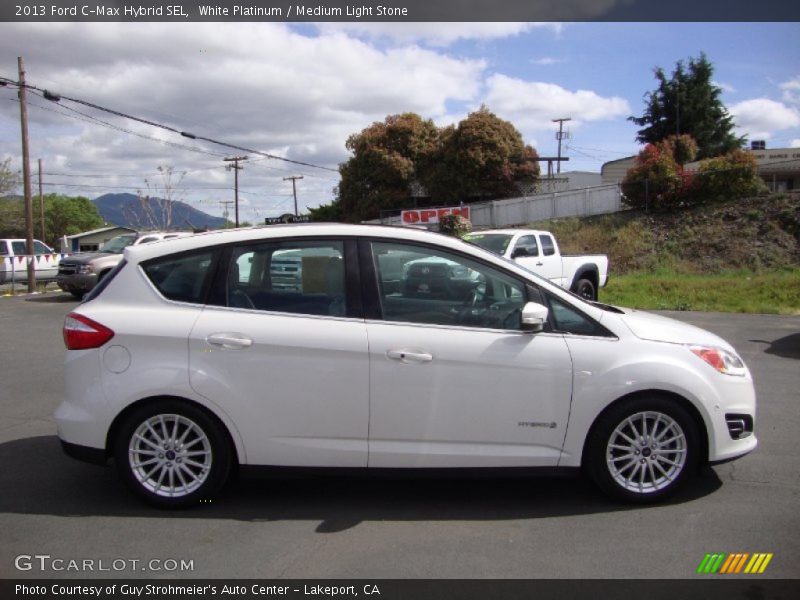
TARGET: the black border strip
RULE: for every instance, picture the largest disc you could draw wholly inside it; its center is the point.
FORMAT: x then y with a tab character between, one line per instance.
408	11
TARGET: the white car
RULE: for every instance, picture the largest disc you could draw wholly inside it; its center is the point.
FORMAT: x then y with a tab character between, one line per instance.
397	348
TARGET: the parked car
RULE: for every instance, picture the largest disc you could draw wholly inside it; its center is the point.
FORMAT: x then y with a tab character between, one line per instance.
14	264
538	251
397	348
79	273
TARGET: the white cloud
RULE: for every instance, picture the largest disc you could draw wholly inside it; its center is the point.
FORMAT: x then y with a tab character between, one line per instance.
791	90
532	105
795	143
760	117
547	61
434	34
257	85
725	87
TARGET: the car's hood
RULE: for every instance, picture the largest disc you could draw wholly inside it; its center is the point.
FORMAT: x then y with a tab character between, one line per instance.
84	257
649	326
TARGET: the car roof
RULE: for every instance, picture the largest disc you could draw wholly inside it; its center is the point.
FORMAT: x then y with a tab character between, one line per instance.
511	231
254	234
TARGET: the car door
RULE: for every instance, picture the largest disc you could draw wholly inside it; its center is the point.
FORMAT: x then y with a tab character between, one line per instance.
550	265
525	252
289	366
454	382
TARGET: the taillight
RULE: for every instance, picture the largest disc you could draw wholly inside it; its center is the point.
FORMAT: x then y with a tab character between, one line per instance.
81	333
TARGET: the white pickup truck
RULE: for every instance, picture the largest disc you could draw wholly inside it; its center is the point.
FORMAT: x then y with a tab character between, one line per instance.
538	251
14	260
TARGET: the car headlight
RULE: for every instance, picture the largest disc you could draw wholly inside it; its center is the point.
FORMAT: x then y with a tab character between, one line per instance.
85	269
723	361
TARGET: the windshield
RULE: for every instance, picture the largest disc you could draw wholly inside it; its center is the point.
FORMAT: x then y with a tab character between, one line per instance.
493	242
117	244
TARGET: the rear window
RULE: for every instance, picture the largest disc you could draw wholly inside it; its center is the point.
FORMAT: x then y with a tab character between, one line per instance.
181	277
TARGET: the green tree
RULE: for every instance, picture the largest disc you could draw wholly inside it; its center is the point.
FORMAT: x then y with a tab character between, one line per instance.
483	158
656	182
66	215
688	102
9	180
383	166
728	177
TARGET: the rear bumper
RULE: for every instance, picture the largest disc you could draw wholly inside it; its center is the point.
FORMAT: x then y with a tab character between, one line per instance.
95	456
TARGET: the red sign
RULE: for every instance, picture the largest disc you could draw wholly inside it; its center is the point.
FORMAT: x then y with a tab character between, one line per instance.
429	216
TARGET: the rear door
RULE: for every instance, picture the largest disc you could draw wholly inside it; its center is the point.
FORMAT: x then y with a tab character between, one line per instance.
288	363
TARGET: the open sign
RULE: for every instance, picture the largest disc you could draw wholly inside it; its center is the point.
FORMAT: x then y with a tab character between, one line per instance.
429	216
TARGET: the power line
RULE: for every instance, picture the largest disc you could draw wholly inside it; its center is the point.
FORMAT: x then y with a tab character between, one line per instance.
58	97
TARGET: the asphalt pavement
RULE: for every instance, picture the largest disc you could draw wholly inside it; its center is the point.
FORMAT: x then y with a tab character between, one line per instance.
388	527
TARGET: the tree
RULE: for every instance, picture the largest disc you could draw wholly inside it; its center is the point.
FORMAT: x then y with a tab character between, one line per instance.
9	179
383	166
688	102
658	180
63	215
728	177
484	157
153	209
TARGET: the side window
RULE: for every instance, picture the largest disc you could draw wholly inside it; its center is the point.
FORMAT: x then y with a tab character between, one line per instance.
18	248
424	285
548	248
304	277
570	320
182	277
40	248
526	246
3	248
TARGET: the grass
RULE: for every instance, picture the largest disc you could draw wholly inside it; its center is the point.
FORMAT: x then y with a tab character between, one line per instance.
776	292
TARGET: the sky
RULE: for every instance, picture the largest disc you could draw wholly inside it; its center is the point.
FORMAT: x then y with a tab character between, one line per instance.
298	91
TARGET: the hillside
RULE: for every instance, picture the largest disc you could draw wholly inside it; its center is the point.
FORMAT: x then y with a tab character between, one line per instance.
125	210
757	234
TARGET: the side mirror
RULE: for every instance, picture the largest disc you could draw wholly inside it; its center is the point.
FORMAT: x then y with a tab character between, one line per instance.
534	316
519	252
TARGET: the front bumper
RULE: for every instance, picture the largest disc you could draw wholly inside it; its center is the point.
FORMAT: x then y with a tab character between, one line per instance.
77	283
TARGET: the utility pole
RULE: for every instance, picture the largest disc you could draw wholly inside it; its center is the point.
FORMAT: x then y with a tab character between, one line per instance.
294	179
41	199
26	175
561	135
235	166
225	204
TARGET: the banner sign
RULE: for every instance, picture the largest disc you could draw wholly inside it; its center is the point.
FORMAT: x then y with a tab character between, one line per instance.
431	216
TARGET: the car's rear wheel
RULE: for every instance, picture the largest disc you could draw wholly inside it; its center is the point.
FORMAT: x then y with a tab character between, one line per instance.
172	454
643	450
585	289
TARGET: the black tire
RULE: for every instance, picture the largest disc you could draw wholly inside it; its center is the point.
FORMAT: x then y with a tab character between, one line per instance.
172	454
664	457
585	289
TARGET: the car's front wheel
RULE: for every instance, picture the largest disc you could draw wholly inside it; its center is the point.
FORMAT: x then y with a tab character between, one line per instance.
172	454
643	450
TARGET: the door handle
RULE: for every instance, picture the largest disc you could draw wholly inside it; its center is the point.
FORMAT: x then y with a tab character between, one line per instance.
539	264
409	356
230	341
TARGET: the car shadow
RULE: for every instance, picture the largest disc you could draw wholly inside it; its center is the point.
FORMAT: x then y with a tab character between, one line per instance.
785	347
45	481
